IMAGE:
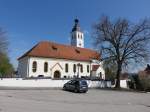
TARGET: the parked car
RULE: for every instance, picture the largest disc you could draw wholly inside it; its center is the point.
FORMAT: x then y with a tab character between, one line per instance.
76	85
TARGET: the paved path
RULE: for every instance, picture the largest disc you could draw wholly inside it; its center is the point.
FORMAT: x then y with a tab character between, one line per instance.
62	101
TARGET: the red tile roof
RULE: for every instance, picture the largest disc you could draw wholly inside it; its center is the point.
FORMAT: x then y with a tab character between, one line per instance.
49	49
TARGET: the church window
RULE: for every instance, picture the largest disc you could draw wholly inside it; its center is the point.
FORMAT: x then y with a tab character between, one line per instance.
81	68
34	66
100	75
74	68
88	68
45	67
78	36
66	67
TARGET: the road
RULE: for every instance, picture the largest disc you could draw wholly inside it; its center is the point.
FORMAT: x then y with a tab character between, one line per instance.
62	101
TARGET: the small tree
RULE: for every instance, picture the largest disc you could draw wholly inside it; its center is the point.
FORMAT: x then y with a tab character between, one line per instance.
144	78
110	70
122	42
5	67
145	82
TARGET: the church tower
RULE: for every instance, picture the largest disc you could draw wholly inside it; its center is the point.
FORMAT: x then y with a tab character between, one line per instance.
77	36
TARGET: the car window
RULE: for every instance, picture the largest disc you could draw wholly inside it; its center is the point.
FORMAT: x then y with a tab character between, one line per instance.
83	83
69	82
77	83
73	82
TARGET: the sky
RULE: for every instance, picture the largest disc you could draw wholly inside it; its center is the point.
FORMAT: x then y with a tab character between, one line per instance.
28	22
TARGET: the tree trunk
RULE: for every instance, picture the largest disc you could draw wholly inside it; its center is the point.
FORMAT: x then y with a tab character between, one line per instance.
118	75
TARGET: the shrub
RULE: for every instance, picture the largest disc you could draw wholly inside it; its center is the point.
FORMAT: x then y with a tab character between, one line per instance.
145	83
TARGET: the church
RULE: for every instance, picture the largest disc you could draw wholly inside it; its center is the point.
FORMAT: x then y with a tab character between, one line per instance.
49	59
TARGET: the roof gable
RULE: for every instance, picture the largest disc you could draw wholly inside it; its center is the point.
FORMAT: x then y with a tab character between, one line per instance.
95	67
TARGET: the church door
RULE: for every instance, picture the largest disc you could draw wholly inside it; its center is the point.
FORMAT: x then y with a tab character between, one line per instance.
57	74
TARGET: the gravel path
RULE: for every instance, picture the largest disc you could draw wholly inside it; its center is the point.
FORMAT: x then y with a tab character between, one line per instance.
62	101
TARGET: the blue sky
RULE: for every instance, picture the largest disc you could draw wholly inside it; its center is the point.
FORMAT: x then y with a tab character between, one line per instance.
29	21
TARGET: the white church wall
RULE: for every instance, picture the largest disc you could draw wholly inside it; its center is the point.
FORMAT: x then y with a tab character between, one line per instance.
53	65
23	67
40	67
99	70
57	64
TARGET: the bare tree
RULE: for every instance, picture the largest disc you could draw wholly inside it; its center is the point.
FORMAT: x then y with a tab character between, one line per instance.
121	42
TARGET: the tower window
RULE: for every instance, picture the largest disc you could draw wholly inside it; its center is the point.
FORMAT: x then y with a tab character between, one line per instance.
34	66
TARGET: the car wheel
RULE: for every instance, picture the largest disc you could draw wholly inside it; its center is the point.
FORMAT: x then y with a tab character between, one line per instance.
64	88
76	90
84	91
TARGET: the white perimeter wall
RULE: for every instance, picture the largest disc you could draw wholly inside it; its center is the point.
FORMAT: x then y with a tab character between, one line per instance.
123	84
19	82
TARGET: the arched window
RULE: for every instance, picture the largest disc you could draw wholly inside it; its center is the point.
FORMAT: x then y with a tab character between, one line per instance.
100	75
34	66
45	67
74	68
78	36
81	68
66	67
87	68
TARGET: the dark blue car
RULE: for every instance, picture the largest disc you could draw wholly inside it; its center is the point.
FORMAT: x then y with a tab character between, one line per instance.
76	85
